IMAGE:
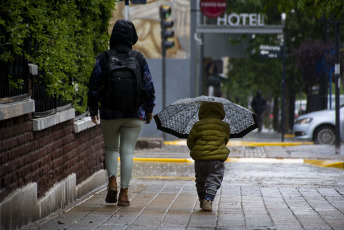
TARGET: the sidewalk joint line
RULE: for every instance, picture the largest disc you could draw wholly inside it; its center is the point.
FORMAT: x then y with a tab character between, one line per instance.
175	198
137	216
218	205
318	214
341	194
289	208
325	198
193	210
266	208
242	208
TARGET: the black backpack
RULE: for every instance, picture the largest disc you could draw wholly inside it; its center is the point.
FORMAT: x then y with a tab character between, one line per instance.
122	83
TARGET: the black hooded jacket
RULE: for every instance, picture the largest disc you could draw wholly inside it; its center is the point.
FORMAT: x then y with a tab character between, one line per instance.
123	37
123	31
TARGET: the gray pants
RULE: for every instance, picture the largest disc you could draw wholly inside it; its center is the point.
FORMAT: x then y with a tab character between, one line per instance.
209	176
120	137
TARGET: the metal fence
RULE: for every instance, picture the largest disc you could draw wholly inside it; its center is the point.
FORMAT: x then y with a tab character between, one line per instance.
14	80
16	84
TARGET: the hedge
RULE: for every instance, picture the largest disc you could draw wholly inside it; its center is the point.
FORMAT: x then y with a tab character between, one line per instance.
62	37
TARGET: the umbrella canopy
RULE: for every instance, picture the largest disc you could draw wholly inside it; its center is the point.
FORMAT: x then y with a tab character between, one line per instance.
179	117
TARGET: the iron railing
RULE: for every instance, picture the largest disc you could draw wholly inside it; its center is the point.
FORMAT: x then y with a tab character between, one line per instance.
17	84
14	80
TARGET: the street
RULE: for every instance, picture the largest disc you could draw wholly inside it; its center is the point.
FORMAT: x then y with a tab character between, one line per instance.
257	193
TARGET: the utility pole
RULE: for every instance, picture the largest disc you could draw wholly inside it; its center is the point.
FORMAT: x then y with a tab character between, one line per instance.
165	12
337	79
126	13
136	2
283	17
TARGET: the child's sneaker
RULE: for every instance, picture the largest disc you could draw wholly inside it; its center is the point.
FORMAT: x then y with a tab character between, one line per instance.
207	205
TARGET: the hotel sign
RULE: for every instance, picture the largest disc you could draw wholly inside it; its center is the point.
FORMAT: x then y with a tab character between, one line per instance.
241	20
234	23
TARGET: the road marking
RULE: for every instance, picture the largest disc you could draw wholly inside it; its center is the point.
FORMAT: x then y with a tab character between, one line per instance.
265	160
176	160
246	143
170	177
321	163
239	160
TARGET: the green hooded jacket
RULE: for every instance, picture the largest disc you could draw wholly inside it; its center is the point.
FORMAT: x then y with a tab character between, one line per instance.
209	136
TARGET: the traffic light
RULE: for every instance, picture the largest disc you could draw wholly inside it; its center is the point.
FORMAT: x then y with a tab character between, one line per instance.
138	2
165	12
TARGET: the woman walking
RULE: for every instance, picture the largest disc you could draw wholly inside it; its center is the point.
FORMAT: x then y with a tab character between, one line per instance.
120	124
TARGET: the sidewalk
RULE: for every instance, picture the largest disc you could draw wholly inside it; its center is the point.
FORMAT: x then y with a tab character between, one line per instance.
265	187
252	196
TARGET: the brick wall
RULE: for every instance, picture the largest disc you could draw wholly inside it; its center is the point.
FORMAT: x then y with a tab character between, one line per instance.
48	156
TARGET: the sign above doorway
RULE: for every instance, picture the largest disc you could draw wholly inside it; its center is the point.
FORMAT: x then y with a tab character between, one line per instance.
213	8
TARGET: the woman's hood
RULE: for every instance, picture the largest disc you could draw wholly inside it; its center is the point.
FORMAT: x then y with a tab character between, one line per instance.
123	31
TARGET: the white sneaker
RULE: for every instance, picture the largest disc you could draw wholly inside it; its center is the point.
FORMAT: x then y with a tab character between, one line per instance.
207	205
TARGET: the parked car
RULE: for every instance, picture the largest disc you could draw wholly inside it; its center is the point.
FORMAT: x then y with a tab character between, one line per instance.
319	126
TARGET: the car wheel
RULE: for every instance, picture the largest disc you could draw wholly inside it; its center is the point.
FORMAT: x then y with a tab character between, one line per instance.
324	135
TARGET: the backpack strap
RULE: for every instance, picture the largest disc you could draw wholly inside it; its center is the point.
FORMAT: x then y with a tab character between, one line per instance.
139	57
110	53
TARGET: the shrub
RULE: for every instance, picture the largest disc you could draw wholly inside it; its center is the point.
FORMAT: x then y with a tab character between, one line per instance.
62	37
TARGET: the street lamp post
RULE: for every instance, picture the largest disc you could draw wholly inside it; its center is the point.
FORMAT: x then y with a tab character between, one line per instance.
337	79
126	12
283	18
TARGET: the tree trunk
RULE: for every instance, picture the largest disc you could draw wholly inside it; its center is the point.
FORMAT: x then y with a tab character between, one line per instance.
276	125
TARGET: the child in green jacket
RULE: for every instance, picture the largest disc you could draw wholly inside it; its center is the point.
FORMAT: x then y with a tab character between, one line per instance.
207	143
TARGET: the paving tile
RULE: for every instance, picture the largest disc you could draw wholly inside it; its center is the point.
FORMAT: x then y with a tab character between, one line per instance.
330	214
202	219
157	209
179	214
278	210
306	215
261	196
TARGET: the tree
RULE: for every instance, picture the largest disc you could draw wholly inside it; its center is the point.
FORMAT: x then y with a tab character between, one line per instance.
314	8
61	37
246	76
313	57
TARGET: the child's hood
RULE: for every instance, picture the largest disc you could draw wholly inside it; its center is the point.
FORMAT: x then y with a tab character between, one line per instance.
211	109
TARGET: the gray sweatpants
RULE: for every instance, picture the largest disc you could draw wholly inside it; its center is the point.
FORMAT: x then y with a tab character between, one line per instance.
120	137
209	176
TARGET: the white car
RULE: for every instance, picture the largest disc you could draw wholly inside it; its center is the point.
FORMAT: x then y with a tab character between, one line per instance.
319	126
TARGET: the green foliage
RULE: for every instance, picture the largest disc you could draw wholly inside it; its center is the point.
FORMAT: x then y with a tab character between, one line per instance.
15	84
62	37
248	75
314	8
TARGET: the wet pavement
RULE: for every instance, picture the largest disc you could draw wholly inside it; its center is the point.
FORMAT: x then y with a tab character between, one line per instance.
254	145
265	187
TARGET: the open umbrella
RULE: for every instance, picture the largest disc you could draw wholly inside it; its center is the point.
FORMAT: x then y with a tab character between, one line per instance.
179	117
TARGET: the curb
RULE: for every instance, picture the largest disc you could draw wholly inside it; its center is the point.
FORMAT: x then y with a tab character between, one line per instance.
165	160
246	143
238	160
320	163
251	143
324	163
